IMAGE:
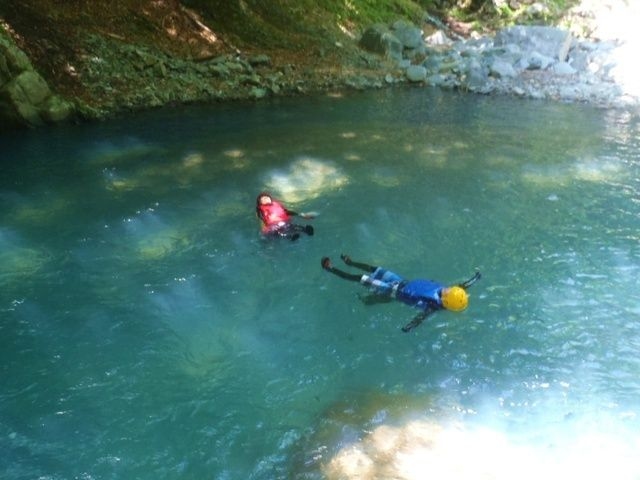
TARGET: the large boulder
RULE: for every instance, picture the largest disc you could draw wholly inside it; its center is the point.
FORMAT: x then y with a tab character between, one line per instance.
548	41
25	97
379	39
408	34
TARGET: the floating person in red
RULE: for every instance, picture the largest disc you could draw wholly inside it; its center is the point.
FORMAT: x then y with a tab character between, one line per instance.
426	295
276	219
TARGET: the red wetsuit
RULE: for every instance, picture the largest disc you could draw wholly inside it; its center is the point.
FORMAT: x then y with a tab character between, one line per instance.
273	216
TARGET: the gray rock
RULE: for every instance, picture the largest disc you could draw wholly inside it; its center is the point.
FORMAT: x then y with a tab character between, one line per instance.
416	73
549	41
409	35
476	77
16	60
56	109
563	68
379	39
258	93
537	61
413	53
438	38
436	80
25	97
501	69
33	86
433	62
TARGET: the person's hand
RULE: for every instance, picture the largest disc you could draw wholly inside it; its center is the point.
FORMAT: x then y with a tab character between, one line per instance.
326	263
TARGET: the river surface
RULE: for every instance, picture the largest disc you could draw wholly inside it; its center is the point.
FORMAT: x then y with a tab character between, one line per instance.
148	332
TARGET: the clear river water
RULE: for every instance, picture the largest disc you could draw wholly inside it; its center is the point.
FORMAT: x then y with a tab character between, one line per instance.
147	331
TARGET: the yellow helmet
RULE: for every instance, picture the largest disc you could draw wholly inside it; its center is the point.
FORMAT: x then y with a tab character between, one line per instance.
455	298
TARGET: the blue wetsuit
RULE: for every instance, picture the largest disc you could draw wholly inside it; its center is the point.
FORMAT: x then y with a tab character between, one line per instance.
421	294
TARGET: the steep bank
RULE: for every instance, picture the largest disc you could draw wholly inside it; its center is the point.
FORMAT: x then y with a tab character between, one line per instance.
111	56
90	59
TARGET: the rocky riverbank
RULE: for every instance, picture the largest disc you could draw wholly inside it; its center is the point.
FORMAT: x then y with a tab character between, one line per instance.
537	62
589	59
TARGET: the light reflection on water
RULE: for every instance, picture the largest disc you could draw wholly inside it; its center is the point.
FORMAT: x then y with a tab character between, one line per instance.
149	332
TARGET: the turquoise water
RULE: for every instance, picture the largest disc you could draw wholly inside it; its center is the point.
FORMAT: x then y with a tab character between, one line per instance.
149	332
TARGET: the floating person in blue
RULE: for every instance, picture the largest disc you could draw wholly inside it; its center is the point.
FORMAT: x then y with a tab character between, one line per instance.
426	295
276	219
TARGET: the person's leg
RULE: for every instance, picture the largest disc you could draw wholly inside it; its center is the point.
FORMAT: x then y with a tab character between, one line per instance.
287	231
326	264
362	266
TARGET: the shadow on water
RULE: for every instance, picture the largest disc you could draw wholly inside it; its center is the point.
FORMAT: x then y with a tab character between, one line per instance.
148	331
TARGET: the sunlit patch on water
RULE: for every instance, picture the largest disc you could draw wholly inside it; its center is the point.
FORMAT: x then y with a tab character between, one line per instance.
348	135
306	178
17	259
585	169
184	306
236	159
385	177
160	244
116	182
153	239
193	160
42	211
128	150
352	157
228	209
166	170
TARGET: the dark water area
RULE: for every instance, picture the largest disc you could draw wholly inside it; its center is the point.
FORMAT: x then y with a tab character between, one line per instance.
148	331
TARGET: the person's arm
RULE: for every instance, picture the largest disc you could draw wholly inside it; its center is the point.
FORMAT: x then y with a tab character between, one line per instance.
305	215
418	319
467	283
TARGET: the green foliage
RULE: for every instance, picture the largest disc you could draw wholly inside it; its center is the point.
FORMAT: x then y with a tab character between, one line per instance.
279	23
366	12
492	15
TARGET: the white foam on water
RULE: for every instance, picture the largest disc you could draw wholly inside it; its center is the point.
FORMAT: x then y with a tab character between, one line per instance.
423	449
